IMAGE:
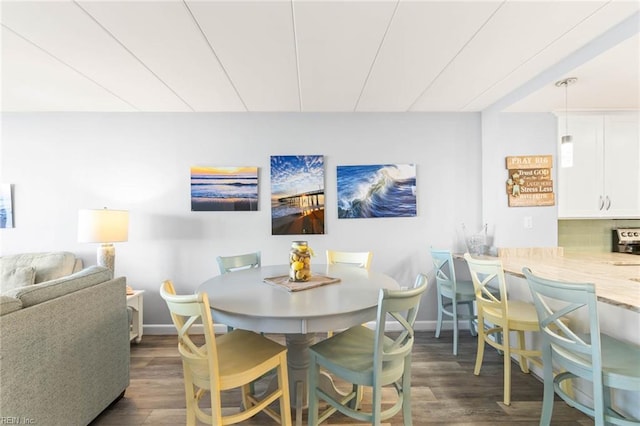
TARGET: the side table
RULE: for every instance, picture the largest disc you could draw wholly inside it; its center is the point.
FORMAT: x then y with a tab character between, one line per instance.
134	301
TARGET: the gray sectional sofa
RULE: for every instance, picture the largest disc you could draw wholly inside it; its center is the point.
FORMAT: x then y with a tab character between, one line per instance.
64	339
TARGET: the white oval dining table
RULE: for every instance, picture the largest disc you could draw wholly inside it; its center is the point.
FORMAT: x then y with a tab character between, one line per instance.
242	299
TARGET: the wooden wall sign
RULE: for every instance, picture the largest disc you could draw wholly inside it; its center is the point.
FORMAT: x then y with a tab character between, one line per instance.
529	182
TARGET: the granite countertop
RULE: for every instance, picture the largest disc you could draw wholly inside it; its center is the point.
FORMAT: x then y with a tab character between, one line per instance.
615	275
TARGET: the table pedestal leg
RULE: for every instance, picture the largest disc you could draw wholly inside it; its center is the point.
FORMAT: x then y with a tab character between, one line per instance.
298	363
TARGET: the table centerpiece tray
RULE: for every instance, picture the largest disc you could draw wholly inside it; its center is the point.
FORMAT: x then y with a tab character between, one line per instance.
284	282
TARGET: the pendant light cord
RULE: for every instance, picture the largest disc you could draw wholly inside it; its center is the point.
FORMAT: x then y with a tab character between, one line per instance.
566	82
566	107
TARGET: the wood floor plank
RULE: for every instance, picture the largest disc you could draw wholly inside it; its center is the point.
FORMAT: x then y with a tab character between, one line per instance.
444	389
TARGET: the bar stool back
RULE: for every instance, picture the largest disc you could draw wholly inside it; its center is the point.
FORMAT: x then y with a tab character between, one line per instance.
604	361
452	293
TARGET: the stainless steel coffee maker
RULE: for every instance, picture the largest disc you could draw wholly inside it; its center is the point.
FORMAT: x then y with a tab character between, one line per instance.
625	240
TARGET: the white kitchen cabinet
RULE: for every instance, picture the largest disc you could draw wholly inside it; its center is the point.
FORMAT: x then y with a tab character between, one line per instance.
604	181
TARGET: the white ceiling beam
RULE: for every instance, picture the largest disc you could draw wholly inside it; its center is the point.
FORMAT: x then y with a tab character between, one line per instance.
514	34
626	29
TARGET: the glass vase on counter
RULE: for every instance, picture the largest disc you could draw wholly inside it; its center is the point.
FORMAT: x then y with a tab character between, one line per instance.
299	261
477	243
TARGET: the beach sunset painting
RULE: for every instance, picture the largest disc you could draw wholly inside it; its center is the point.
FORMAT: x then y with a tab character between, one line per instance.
369	191
297	194
224	188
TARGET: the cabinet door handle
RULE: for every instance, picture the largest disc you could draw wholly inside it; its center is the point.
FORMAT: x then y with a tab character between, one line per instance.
600	202
608	203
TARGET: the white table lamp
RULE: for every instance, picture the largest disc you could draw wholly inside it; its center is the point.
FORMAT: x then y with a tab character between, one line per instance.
105	227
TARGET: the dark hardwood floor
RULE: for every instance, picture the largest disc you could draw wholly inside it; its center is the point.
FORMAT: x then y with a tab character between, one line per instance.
444	391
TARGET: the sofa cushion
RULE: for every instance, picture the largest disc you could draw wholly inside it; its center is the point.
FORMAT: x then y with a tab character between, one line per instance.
49	265
38	293
9	304
16	277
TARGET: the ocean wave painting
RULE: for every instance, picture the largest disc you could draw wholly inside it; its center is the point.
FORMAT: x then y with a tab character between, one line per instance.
6	209
384	190
224	188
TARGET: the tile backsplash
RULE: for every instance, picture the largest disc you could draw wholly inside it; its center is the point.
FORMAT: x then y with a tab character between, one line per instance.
590	235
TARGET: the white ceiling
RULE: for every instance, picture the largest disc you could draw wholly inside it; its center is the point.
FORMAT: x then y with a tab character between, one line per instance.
303	55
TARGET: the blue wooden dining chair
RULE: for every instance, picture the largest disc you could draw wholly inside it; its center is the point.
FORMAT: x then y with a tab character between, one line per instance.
228	264
451	294
606	362
365	357
238	262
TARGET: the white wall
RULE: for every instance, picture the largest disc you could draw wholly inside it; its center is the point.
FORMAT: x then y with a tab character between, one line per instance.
62	162
514	134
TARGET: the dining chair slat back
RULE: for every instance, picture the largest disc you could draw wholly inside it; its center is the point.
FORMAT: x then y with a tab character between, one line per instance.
228	264
234	263
358	259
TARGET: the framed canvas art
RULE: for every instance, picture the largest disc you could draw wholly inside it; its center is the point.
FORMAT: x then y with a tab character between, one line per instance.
297	194
6	206
224	188
383	190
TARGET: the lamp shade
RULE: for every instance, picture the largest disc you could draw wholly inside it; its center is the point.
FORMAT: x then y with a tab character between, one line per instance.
103	226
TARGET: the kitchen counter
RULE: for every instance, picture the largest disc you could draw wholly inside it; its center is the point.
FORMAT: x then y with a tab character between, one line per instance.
615	275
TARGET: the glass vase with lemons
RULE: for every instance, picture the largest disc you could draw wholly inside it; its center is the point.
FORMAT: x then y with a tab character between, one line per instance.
300	261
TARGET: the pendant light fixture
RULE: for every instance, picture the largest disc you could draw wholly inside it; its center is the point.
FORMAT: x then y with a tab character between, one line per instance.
566	142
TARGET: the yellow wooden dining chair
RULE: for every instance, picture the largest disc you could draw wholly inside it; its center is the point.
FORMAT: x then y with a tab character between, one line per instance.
226	362
506	316
359	259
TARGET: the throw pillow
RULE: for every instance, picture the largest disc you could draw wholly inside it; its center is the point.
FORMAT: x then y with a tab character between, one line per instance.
18	277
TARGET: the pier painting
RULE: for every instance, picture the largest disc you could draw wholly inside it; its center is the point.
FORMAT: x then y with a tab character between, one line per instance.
224	188
384	190
297	194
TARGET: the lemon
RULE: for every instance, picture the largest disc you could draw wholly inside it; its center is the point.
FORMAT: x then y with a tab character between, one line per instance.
297	265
